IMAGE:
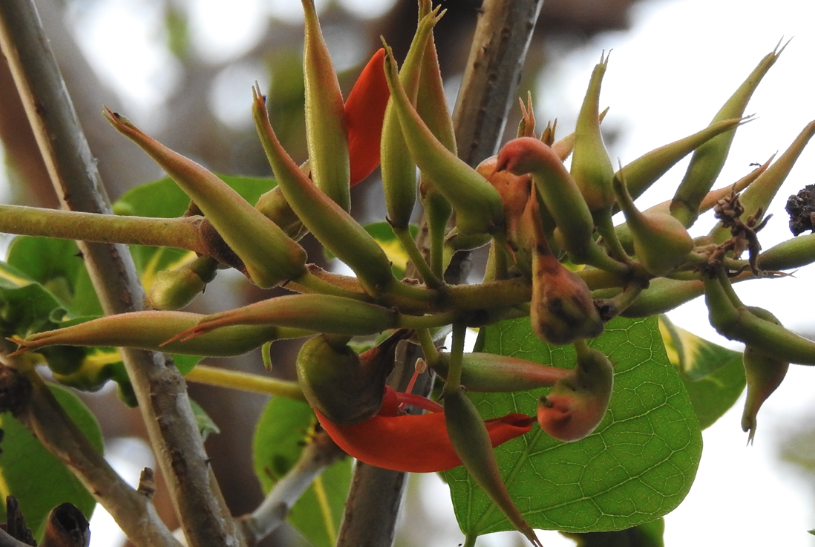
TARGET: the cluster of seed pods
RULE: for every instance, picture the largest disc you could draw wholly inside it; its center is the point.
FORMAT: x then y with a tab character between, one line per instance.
554	256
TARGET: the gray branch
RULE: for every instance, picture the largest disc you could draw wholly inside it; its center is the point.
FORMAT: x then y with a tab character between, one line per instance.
159	388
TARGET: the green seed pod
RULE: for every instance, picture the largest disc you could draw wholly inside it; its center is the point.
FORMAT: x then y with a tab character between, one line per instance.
591	166
398	169
764	372
708	160
565	146
269	255
314	312
641	173
735	321
762	191
151	329
472	444
576	405
660	241
325	116
663	295
345	387
175	289
478	206
498	373
273	205
326	220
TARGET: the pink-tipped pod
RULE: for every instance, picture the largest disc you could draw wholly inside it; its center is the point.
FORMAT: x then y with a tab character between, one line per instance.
499	373
150	329
576	405
269	255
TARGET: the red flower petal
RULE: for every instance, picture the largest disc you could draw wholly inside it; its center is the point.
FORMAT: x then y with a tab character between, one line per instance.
414	444
364	112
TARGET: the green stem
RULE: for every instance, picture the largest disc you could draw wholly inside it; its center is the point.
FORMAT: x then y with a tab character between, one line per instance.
415	255
426	321
203	374
469	540
181	233
431	353
724	281
606	229
453	383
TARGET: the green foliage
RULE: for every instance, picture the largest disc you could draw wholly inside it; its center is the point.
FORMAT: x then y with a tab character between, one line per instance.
638	465
281	433
713	375
39	480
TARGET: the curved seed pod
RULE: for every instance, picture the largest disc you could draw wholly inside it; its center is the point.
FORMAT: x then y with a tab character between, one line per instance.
764	372
498	373
412	443
329	223
762	191
576	405
398	169
344	386
708	160
174	289
150	329
326	132
478	206
314	312
472	444
561	308
735	321
641	173
660	241
591	166
792	253
270	256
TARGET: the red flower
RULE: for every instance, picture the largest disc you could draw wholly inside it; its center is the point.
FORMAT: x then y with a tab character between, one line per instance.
364	113
410	443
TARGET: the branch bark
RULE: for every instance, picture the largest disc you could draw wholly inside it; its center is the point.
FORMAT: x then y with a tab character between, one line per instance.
159	388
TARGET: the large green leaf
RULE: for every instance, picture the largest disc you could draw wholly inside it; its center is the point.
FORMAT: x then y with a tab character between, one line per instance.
637	466
713	375
280	436
39	480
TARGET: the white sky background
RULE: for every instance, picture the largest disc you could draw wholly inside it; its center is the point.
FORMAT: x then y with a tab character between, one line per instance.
666	79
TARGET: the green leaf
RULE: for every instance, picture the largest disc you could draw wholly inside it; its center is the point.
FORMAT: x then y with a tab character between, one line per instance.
645	535
39	480
637	466
713	375
281	433
383	234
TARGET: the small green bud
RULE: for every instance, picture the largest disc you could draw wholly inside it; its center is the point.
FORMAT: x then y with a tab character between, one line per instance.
175	289
499	373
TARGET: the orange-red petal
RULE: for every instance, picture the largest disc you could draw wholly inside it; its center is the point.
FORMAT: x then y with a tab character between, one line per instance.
414	444
364	112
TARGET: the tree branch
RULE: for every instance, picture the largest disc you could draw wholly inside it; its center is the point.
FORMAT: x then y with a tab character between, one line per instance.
42	414
159	388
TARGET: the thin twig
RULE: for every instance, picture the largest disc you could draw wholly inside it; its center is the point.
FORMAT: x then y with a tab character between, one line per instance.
159	388
316	457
